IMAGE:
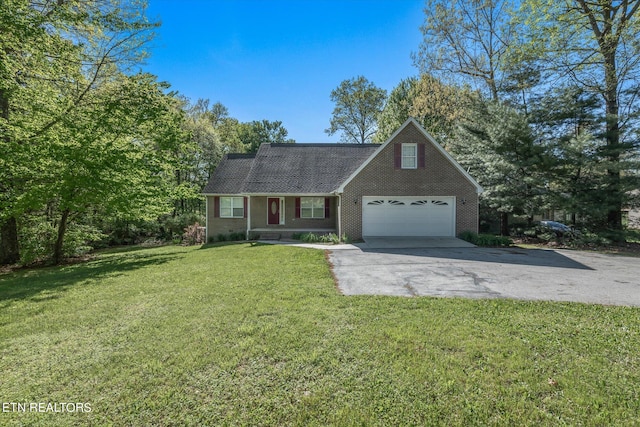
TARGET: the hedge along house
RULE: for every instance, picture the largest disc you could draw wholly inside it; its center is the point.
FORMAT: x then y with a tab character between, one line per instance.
407	186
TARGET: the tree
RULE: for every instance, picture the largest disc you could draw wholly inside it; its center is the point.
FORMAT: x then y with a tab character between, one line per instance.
397	109
439	106
499	148
594	44
467	40
205	152
254	133
436	105
358	104
52	55
116	153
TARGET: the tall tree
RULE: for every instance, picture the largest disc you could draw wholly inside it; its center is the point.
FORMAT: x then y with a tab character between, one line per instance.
397	109
254	133
436	105
565	119
466	40
116	153
358	104
52	55
595	45
498	146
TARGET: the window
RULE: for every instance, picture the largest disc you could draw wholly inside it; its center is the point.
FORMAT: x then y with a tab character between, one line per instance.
409	156
231	207
312	207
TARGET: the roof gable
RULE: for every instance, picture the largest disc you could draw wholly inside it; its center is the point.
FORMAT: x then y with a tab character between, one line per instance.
413	122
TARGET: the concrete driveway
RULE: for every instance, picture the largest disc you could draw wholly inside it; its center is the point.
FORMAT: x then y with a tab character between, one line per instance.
557	275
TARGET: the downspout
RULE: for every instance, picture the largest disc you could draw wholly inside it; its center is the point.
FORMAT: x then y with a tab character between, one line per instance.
339	215
248	216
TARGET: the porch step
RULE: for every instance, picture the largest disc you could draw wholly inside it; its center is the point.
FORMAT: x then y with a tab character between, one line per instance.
269	236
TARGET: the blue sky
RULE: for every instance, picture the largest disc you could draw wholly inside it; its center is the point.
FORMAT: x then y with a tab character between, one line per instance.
280	60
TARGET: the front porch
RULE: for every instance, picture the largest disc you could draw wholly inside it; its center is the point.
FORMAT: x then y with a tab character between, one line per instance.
283	216
270	216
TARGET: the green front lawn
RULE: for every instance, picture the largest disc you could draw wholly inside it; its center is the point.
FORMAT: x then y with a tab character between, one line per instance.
249	334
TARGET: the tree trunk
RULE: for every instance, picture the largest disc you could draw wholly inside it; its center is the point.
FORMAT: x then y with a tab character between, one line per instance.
9	250
504	224
614	214
62	228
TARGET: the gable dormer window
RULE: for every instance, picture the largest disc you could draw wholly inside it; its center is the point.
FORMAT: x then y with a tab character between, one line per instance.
409	156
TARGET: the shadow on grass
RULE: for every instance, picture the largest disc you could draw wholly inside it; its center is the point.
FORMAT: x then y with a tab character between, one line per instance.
251	243
46	283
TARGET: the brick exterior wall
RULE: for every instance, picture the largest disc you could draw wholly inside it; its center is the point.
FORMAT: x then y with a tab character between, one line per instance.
381	178
224	226
259	218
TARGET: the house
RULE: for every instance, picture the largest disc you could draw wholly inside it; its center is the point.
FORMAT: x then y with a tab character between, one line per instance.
407	186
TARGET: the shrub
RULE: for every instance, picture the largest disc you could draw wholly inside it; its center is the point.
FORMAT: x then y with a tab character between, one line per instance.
237	236
38	237
330	238
315	238
485	239
193	235
170	226
309	238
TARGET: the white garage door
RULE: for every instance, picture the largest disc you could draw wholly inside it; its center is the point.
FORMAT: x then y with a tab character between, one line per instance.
408	216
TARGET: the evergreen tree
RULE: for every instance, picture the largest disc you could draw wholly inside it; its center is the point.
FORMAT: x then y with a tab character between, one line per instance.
498	147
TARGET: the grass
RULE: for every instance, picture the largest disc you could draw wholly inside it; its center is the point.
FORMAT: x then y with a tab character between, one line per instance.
250	334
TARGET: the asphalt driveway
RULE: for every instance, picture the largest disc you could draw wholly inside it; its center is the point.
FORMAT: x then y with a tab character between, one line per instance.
531	274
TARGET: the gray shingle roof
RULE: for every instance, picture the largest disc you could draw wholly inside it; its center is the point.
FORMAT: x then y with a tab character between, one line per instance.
290	169
229	176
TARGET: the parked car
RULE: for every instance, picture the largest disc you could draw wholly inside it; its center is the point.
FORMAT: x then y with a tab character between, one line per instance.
557	227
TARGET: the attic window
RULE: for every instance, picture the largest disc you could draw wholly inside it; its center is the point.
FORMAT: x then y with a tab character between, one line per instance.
409	156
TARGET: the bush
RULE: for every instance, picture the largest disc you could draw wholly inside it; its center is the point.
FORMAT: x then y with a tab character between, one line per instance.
193	235
121	232
315	238
38	237
238	236
170	226
487	240
231	237
309	238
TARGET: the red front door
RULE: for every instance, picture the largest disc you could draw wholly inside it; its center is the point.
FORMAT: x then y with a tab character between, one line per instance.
273	207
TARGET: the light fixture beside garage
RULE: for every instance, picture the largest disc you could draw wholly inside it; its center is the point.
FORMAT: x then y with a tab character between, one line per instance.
464	201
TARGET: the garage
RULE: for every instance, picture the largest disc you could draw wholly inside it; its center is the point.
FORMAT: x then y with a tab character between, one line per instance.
408	216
